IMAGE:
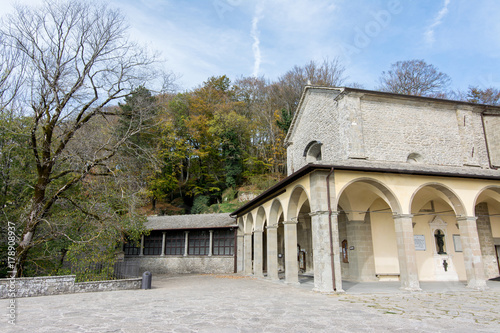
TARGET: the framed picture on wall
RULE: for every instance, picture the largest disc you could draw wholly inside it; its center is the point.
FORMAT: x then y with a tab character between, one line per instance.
458	243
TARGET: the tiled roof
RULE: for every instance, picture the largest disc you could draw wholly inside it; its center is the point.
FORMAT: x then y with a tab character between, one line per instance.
201	221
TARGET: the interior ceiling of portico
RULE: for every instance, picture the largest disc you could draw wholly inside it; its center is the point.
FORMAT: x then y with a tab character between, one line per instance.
359	197
421	203
490	196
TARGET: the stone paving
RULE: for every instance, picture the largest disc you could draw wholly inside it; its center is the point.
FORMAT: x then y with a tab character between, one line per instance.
234	303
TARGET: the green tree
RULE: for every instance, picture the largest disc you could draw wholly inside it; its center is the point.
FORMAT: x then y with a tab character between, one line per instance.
78	60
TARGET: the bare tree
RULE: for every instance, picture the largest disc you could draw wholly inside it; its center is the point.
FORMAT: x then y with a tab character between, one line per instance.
78	60
286	92
414	77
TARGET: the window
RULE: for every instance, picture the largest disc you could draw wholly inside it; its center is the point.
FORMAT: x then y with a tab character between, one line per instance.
223	242
131	248
199	242
345	257
312	153
152	243
174	242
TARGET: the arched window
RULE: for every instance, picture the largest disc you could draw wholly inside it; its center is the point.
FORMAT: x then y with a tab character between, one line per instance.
312	153
414	158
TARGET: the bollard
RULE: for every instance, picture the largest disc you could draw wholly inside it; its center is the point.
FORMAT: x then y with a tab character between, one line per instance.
146	280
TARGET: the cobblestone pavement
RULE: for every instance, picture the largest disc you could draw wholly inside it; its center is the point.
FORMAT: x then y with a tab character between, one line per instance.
233	303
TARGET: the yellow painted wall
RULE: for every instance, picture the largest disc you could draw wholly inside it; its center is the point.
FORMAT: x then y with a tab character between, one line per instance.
384	241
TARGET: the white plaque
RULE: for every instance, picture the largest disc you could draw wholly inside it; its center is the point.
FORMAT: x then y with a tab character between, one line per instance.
458	243
419	242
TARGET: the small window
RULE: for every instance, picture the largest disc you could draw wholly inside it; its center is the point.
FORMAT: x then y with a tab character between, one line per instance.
152	243
199	242
312	153
345	256
414	158
174	242
223	242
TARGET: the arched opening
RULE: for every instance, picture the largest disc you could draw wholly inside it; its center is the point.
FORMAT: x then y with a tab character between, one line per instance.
437	236
312	153
487	211
367	229
299	209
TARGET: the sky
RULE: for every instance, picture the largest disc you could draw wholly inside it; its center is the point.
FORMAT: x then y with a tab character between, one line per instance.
203	38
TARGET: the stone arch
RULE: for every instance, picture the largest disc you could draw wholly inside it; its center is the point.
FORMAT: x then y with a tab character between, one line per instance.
491	192
444	192
297	198
275	212
248	224
378	188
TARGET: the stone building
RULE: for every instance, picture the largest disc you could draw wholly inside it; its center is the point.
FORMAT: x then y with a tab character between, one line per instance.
381	186
186	244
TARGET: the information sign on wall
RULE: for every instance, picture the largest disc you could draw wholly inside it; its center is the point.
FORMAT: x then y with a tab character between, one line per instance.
419	242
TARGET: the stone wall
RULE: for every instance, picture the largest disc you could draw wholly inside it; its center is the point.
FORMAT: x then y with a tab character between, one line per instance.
486	241
185	265
381	128
55	285
492	124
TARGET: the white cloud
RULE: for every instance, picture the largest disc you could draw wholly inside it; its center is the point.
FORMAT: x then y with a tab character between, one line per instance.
429	33
256	41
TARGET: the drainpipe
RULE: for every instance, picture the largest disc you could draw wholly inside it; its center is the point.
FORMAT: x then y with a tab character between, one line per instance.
330	227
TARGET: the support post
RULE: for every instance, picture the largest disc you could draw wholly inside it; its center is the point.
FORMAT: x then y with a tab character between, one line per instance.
474	267
407	257
257	253
272	252
291	263
248	253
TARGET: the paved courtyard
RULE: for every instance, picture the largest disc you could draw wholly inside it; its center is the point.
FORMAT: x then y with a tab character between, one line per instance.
233	303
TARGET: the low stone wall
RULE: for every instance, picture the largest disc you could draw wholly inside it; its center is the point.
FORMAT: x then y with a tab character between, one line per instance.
55	285
185	265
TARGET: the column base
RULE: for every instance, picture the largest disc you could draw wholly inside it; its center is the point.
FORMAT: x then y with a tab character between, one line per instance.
411	289
477	285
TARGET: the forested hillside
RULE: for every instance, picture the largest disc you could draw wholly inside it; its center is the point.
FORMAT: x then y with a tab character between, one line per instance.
206	145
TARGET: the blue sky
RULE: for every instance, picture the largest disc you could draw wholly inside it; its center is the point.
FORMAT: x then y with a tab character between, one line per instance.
203	38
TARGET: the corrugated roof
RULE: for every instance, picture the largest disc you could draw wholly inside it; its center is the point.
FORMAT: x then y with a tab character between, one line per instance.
199	221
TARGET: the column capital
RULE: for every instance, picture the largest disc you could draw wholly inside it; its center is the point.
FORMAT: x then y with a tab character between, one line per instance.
291	222
257	230
273	226
248	234
318	213
402	216
466	218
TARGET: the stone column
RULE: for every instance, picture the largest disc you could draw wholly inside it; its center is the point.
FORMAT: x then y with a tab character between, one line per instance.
323	281
336	252
291	263
361	261
257	253
486	241
239	251
210	243
406	252
472	252
141	250
247	256
272	252
186	243
163	241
